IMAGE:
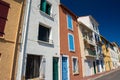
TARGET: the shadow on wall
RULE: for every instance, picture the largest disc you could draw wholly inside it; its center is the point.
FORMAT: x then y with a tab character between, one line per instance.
19	1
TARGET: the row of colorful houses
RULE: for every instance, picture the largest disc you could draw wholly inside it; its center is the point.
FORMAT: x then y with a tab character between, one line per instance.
44	40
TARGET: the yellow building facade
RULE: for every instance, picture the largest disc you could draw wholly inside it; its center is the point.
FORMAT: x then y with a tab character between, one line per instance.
10	16
106	54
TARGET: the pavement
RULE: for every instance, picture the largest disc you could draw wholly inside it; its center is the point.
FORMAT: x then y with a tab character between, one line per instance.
99	75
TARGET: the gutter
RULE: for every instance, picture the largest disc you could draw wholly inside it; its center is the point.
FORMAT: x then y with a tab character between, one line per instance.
21	56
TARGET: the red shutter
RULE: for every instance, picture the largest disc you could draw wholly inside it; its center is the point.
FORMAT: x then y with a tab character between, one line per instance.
4	7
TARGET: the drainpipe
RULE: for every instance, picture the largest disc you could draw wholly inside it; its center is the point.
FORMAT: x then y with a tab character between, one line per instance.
21	57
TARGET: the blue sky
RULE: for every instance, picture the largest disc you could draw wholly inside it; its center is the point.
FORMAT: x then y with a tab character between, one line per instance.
105	12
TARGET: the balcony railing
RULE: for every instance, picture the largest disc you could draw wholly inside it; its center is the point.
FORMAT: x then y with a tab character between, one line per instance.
90	52
90	41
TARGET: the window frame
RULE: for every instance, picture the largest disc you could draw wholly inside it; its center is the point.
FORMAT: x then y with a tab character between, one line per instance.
69	34
77	70
68	22
50	41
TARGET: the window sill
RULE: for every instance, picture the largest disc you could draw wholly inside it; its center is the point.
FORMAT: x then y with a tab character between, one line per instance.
75	73
2	37
72	51
70	29
36	79
46	15
50	42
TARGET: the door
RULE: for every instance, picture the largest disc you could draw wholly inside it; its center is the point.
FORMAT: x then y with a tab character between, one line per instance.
94	67
55	68
98	65
87	68
64	68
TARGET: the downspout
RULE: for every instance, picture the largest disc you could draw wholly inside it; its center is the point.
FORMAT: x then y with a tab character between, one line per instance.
21	56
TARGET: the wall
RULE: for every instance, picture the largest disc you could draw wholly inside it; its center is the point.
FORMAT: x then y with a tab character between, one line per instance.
8	41
35	47
64	50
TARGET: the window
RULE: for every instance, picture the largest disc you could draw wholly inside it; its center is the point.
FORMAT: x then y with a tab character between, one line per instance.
69	22
45	7
4	7
35	67
75	65
44	33
71	42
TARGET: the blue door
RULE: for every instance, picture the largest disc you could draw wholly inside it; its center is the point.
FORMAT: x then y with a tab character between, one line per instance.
64	68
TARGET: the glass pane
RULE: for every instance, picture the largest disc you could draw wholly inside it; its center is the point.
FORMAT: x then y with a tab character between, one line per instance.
32	67
43	33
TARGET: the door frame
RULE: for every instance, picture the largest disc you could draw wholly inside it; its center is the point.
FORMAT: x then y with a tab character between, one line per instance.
67	66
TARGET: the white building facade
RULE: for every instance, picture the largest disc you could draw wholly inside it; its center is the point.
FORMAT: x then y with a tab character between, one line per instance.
39	54
90	47
114	53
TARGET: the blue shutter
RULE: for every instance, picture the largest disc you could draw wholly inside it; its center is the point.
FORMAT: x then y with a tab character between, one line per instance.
71	43
69	20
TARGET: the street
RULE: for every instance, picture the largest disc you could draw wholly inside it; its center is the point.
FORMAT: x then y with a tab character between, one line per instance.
112	76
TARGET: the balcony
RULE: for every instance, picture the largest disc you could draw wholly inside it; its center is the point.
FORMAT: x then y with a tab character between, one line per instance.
89	40
90	53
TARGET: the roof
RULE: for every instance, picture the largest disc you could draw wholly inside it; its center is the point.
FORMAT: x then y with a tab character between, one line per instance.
69	11
90	16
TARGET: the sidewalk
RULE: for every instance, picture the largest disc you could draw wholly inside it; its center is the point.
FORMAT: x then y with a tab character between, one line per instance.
93	77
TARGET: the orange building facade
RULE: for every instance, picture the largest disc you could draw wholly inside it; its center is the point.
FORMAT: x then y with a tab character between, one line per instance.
71	65
10	16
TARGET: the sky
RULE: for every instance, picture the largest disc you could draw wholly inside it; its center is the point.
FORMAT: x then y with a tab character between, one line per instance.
105	12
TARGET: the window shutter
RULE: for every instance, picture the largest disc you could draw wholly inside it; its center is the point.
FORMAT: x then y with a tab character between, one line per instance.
4	7
43	5
71	43
69	18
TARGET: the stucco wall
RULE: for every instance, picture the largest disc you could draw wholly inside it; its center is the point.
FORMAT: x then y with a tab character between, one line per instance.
64	50
35	47
8	41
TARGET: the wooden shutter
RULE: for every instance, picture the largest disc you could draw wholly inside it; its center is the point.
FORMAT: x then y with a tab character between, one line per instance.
43	5
4	7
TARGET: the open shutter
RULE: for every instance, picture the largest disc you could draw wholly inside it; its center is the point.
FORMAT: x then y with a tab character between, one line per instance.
43	5
4	7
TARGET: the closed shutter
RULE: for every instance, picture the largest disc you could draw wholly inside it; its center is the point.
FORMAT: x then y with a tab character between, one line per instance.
4	7
71	42
43	5
69	20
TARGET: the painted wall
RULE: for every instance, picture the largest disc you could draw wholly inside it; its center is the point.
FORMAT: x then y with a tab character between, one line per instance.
64	50
81	41
107	58
86	24
8	41
35	47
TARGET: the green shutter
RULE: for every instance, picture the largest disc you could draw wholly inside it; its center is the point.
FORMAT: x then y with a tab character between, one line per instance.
43	5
